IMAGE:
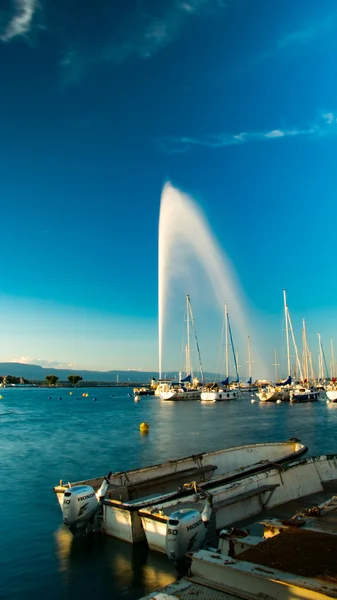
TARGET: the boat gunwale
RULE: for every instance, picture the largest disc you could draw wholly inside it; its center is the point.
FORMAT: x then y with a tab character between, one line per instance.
302	450
260	467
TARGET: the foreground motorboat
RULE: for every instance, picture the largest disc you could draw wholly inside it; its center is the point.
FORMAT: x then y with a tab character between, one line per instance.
114	509
288	554
225	505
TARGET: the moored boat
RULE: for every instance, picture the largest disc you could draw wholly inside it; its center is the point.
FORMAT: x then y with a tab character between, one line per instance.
303	394
219	392
235	501
126	493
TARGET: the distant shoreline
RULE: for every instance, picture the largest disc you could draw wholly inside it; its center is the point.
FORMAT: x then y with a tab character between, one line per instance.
81	384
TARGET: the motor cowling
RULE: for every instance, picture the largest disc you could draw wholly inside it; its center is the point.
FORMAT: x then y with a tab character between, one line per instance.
79	507
185	532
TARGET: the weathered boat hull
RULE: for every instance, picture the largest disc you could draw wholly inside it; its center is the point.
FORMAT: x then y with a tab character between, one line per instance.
247	497
130	491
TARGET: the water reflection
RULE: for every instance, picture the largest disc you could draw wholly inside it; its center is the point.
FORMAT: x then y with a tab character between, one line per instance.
126	569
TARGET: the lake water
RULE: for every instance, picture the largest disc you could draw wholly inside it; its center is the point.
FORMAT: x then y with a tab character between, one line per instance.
44	439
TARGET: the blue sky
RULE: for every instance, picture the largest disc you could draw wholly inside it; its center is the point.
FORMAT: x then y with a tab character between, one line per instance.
233	101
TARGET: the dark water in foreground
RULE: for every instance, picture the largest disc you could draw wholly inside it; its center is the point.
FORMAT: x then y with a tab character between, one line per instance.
43	440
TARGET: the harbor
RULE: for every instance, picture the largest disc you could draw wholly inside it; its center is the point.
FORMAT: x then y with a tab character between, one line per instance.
61	441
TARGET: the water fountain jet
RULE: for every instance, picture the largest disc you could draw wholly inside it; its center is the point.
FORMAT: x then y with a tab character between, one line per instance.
183	229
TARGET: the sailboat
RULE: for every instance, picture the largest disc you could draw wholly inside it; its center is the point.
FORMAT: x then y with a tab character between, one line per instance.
188	387
281	390
250	386
302	392
223	391
331	389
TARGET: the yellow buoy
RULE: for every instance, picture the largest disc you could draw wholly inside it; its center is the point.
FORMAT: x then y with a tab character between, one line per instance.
83	394
70	393
0	396
144	427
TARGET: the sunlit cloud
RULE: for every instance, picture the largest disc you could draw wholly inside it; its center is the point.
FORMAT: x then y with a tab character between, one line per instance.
21	21
27	360
325	125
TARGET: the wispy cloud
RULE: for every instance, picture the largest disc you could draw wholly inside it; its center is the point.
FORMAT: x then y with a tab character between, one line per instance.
303	36
143	36
20	22
325	125
27	360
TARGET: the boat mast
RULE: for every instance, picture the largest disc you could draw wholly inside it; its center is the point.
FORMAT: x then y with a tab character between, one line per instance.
311	366
249	361
287	331
188	345
196	342
305	352
276	364
333	366
233	350
320	358
294	342
226	318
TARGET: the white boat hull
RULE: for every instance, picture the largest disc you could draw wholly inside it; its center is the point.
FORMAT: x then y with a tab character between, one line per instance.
240	500
220	396
273	395
180	395
332	395
128	492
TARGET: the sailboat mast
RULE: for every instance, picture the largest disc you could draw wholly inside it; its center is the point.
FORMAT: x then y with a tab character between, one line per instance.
249	360
305	352
321	369
294	342
196	343
226	318
276	364
333	367
287	331
188	345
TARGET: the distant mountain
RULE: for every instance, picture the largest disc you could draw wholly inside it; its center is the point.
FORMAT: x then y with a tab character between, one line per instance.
37	373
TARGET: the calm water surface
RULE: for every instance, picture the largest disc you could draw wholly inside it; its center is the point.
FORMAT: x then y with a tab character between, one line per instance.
44	438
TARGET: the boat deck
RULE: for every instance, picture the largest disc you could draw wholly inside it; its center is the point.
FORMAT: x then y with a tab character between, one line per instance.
286	510
186	589
303	552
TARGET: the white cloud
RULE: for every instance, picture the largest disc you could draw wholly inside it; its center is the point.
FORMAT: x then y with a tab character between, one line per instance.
329	118
21	21
27	360
297	39
275	133
220	140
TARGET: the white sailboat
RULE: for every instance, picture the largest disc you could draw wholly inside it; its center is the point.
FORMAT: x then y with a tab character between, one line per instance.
302	392
279	391
222	391
188	387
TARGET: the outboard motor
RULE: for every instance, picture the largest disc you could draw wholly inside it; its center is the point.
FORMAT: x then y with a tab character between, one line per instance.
81	507
185	532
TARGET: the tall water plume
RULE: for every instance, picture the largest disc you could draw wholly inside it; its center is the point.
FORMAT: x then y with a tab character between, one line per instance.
184	234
